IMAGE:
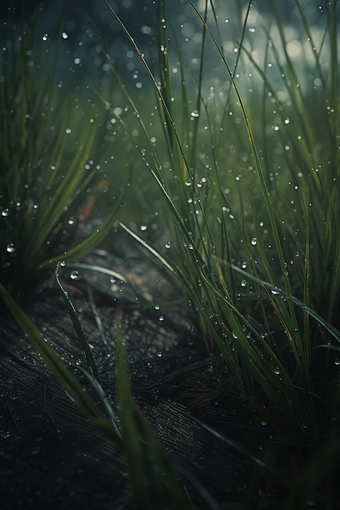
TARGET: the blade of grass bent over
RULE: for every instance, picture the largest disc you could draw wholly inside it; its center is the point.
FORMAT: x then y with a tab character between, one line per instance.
77	326
59	370
244	451
332	330
102	395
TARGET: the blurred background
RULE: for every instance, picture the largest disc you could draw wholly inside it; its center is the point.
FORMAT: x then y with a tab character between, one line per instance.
84	70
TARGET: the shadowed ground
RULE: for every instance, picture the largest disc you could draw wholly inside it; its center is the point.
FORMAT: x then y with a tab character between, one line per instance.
52	455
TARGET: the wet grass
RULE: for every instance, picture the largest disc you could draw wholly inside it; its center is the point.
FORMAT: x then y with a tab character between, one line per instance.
218	248
49	184
252	241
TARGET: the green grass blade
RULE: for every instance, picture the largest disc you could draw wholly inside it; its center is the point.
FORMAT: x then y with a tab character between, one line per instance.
102	395
248	453
59	370
63	196
147	462
77	326
257	161
96	315
193	366
90	243
276	290
202	491
100	269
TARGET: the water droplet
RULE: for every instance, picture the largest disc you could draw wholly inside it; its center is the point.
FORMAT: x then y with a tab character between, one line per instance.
62	263
168	245
277	371
275	292
45	37
287	120
188	183
35	450
191	247
264	422
253	241
143	227
157	307
337	361
161	318
113	280
244	265
10	248
5	212
195	113
309	502
190	201
75	275
243	283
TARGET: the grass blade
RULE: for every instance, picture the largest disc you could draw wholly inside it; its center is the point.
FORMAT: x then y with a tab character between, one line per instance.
59	370
77	326
146	460
245	451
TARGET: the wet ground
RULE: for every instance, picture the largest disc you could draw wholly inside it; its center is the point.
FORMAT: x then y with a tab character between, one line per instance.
53	457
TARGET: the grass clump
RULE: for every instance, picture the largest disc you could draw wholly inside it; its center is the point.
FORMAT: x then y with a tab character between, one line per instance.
48	185
269	337
153	476
48	188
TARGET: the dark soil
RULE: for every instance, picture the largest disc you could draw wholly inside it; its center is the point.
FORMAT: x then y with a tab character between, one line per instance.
53	457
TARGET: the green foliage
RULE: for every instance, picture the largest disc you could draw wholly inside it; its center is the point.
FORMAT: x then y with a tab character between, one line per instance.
153	477
60	371
45	146
261	235
298	276
152	474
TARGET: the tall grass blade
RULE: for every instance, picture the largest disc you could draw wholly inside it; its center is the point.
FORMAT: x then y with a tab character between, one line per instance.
59	370
147	462
77	326
90	243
